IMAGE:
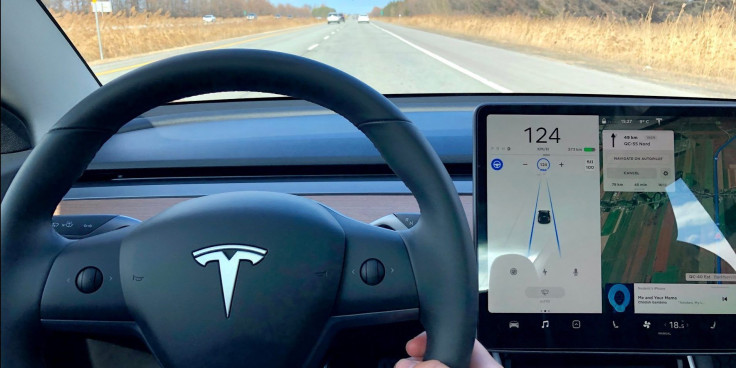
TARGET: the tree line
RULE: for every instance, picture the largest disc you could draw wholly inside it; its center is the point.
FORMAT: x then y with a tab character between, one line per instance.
656	10
193	8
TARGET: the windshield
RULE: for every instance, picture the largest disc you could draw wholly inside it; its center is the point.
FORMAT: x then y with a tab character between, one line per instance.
611	47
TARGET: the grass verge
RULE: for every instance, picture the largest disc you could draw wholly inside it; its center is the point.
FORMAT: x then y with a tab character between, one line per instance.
699	47
147	32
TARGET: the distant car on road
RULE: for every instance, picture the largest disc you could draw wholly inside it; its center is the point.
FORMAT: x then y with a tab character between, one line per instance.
277	16
342	17
251	16
543	217
209	18
363	18
334	18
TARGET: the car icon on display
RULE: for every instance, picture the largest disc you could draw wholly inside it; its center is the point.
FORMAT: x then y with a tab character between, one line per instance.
543	217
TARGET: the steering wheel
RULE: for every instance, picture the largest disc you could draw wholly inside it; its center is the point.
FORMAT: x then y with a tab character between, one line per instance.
236	279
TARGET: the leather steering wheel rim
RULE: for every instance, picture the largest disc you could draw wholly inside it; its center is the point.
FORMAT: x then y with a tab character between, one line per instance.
440	248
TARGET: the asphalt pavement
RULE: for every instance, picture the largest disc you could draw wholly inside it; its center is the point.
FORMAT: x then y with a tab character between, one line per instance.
400	60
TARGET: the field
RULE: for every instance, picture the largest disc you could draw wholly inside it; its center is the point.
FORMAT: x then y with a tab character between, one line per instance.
610	224
644	246
146	32
699	47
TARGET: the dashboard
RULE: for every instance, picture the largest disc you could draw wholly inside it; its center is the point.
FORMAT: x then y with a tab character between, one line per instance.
575	202
606	227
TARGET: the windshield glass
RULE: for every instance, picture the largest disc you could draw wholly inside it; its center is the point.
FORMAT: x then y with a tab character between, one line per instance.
618	47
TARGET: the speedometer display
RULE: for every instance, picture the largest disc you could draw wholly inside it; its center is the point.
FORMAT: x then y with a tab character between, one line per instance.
544	246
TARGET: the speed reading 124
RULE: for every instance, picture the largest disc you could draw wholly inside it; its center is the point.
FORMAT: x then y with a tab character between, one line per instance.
542	133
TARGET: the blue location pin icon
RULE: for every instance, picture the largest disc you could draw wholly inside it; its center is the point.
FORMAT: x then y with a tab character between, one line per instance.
619	297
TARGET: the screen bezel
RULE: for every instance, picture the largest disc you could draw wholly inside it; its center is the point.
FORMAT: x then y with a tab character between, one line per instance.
493	331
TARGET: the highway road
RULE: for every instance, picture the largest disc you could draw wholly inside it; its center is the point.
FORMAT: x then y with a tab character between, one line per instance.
400	60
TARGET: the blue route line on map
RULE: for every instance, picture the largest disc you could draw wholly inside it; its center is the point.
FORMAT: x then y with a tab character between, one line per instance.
534	219
554	220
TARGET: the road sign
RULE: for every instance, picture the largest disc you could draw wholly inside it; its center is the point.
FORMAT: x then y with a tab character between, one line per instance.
101	6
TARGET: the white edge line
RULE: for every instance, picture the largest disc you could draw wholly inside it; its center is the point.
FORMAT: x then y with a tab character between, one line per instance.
313	47
326	37
449	63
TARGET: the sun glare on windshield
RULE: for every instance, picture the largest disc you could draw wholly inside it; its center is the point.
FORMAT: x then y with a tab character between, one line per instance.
619	47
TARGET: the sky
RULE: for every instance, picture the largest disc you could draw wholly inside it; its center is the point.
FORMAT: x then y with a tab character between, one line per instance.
343	6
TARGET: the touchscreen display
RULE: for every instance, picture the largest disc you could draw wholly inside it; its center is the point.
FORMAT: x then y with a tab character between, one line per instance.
595	222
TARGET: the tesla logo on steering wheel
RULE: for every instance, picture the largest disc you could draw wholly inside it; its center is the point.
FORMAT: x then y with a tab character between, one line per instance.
228	256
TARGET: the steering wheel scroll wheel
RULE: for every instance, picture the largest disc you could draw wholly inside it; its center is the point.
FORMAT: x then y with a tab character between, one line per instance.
244	278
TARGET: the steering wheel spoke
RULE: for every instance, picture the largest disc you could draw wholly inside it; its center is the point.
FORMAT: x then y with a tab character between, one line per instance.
83	290
376	287
377	274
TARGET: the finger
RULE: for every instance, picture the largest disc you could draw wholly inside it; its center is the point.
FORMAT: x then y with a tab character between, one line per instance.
431	364
417	346
407	363
481	358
